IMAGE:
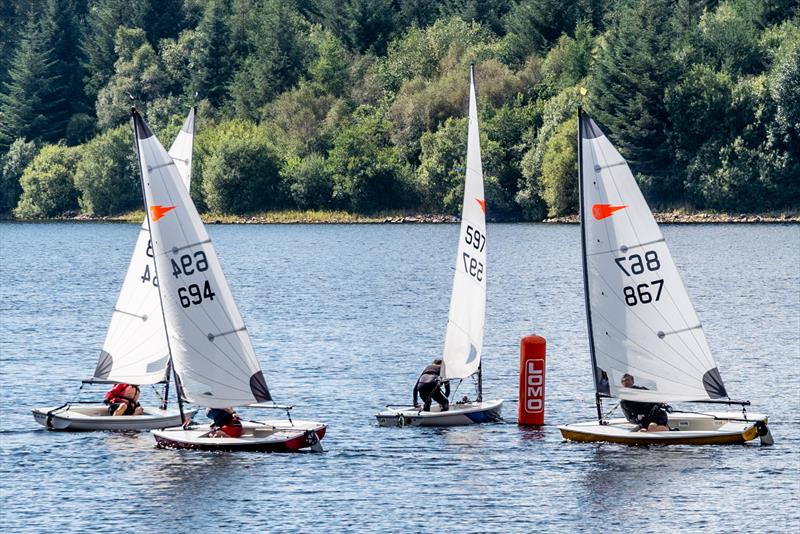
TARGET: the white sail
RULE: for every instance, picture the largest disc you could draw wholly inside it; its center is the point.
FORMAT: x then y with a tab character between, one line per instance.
135	349
464	338
211	349
641	319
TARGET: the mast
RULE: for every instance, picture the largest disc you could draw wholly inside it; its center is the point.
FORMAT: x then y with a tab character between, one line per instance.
597	400
134	114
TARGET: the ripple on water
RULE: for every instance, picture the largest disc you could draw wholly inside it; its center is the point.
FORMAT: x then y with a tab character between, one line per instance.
343	318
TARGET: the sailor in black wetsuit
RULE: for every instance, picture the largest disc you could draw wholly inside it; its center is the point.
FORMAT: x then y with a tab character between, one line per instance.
428	387
651	417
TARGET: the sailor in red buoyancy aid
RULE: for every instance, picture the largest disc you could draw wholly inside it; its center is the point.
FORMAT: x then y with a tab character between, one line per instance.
123	399
226	423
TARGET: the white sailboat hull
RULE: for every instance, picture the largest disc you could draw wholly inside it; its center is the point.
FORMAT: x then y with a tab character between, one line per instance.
711	428
89	417
261	436
459	414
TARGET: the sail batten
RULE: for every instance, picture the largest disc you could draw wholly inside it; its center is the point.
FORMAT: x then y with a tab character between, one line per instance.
464	336
642	321
135	349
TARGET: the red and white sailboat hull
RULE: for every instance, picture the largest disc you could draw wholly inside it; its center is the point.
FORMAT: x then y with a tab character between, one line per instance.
261	436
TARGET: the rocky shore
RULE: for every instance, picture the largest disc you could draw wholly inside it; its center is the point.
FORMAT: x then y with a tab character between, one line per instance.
672	217
311	217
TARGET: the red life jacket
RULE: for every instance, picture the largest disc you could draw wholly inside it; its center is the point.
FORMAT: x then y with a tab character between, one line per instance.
116	392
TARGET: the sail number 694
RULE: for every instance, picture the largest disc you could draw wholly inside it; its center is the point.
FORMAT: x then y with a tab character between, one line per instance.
197	295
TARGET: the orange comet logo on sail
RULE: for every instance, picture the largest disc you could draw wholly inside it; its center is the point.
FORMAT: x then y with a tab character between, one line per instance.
156	212
482	203
601	211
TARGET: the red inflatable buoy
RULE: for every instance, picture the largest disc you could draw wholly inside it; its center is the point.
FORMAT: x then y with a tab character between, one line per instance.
531	381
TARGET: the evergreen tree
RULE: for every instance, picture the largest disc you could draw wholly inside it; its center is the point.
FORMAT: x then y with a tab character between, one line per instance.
162	19
280	53
212	64
363	25
61	28
631	73
27	102
97	42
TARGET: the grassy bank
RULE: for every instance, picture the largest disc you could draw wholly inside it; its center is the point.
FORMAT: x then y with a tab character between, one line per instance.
343	217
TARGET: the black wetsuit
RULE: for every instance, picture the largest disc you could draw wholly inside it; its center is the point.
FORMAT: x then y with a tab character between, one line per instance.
428	388
644	413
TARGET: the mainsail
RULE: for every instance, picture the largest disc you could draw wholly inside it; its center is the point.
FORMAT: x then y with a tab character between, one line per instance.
641	320
464	338
211	349
135	349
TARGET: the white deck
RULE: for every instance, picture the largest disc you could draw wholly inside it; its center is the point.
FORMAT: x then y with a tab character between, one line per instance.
459	414
89	417
691	428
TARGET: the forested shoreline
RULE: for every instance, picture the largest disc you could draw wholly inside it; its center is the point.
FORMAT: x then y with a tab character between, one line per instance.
358	107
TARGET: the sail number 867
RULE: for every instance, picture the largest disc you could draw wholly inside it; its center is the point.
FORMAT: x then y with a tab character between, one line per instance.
641	293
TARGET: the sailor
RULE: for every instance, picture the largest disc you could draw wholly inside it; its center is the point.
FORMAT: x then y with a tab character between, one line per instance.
428	387
651	417
123	399
226	423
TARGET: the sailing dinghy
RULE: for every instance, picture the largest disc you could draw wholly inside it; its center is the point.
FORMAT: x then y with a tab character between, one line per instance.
464	337
639	316
213	361
135	349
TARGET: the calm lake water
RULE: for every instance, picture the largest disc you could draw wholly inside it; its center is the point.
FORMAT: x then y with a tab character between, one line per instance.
343	318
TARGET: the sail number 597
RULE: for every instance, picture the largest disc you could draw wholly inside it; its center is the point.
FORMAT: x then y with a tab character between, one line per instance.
473	267
475	238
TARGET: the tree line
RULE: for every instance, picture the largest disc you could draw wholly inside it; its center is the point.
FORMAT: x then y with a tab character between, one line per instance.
360	105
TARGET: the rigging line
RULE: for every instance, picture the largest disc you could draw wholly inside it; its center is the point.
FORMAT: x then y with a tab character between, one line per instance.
702	365
627	365
598	168
175	250
123	312
628	247
156	167
215	336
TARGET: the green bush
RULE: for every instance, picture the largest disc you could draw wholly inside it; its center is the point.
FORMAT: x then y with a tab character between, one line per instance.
310	185
47	183
241	173
13	164
560	171
107	175
369	173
